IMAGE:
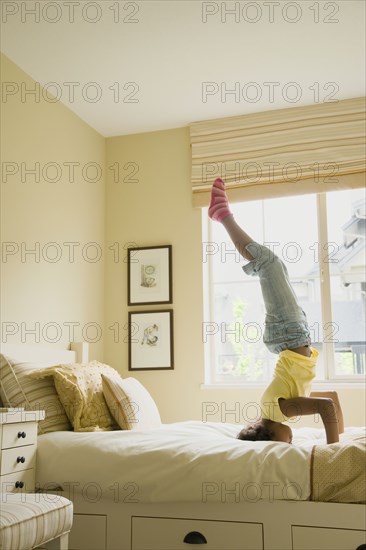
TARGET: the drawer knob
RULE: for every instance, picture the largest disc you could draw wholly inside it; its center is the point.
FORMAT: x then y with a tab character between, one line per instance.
22	434
194	537
19	484
21	459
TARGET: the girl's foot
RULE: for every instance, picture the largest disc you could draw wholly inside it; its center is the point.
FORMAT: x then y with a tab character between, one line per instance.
219	205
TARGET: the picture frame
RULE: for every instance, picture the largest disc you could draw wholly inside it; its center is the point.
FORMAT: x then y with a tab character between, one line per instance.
150	340
149	275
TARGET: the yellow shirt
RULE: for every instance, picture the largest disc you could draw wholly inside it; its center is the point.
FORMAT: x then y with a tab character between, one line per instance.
292	378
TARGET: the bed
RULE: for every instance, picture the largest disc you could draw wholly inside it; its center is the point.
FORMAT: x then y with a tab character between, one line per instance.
193	483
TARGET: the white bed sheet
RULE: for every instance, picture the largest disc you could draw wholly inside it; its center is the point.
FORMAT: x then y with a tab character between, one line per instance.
186	461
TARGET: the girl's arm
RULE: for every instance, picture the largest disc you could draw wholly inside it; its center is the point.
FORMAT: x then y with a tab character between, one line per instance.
324	406
333	395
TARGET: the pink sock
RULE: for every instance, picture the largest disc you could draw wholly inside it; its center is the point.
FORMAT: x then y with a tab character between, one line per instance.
219	205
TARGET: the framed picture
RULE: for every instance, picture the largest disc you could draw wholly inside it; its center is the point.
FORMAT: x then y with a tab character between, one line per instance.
149	277
150	340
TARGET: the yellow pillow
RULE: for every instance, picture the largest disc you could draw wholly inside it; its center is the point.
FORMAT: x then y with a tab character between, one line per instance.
130	403
79	388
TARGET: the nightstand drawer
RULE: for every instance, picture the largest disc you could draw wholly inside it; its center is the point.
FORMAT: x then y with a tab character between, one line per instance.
18	482
19	434
17	459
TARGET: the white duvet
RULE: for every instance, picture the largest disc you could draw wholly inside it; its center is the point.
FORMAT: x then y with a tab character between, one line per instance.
186	461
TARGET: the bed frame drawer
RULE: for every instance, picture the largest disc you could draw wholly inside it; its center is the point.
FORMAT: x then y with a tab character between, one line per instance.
176	534
88	532
323	538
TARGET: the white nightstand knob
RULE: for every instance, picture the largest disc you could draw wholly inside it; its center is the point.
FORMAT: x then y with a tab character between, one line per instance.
21	459
22	434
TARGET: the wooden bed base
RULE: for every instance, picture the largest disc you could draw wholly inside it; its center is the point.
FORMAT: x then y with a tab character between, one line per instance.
262	525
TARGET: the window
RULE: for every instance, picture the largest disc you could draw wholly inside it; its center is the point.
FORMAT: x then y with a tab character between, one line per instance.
301	230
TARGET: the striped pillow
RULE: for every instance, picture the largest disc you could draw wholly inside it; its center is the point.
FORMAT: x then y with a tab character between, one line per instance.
18	389
130	403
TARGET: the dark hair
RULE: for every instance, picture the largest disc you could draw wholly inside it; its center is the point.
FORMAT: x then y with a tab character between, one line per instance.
260	431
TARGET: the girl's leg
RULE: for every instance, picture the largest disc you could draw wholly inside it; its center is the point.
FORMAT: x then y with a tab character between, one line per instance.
219	211
277	291
239	238
282	308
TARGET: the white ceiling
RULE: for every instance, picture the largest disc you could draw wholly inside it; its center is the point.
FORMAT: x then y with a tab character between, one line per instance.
169	53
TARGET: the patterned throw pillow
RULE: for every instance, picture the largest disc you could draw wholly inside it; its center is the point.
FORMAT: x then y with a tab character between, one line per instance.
130	403
79	387
18	389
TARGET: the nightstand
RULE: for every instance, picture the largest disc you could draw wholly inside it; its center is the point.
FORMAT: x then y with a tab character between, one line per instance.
18	447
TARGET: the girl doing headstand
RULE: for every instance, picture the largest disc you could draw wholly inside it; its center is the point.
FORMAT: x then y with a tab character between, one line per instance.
286	333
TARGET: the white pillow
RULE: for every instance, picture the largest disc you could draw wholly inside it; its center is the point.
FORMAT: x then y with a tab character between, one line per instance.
130	403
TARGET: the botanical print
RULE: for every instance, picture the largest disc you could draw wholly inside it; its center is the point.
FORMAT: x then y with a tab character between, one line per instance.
149	275
150	340
149	337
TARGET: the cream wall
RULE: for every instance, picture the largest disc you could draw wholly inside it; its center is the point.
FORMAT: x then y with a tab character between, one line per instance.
158	210
37	290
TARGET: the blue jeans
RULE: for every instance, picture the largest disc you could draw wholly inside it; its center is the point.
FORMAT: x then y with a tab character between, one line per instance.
286	324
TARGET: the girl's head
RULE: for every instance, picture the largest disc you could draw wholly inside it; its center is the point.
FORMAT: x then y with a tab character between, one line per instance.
266	430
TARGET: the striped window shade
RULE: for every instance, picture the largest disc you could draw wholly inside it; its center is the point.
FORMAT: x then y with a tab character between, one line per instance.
298	150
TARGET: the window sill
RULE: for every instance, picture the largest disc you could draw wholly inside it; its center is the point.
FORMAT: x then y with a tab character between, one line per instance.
327	385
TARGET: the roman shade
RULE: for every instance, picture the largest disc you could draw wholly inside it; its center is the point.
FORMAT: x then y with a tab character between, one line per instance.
280	152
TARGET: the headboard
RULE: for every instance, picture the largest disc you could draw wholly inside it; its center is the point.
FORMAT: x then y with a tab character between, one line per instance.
78	352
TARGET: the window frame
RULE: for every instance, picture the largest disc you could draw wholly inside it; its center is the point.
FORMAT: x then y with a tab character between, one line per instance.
328	349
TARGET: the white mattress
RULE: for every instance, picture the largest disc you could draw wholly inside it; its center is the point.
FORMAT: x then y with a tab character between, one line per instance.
185	461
